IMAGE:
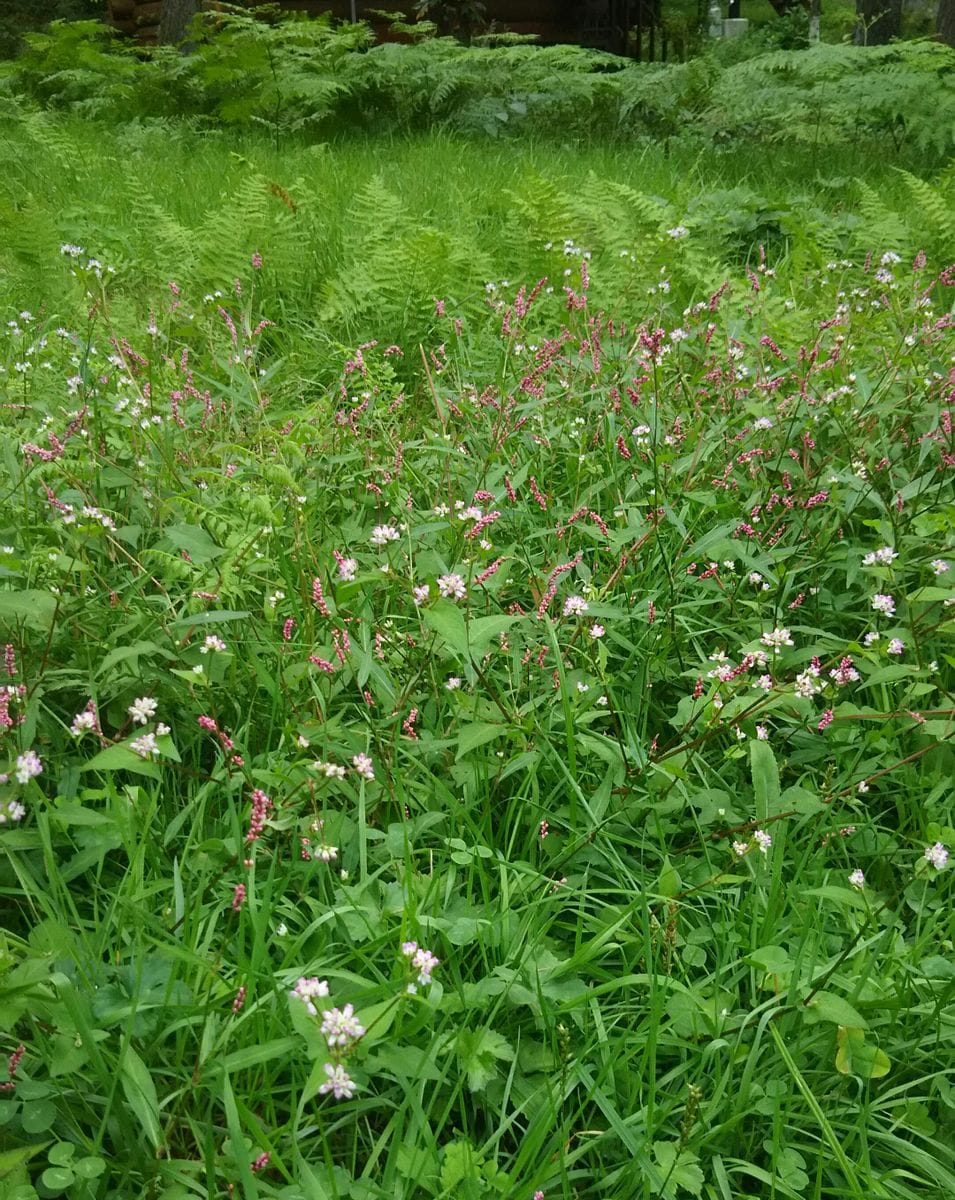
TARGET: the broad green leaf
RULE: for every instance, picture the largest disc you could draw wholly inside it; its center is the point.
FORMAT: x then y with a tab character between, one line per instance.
838	895
140	1092
32	607
483	630
134	652
13	1160
210	618
378	1020
37	1116
90	1167
772	959
57	1179
121	758
447	621
680	1166
195	541
236	1141
929	595
462	1164
856	1056
260	1052
420	1163
669	882
827	1006
472	736
478	1053
765	778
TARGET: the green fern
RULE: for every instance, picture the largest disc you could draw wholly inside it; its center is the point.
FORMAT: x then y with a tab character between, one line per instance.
884	227
936	215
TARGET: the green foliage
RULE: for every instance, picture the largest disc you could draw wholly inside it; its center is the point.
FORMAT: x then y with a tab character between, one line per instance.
293	75
19	17
426	545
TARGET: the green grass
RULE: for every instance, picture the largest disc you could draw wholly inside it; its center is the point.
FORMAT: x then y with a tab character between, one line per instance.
624	1006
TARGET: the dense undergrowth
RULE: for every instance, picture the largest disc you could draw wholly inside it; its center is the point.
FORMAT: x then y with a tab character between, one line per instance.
504	588
294	76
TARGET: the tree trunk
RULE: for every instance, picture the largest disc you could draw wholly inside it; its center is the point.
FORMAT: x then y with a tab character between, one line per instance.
176	15
945	22
877	21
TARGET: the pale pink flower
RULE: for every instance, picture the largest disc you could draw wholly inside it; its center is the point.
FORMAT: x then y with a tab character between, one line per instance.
308	990
143	710
28	766
381	535
339	1083
83	722
363	765
145	746
11	810
452	587
340	1027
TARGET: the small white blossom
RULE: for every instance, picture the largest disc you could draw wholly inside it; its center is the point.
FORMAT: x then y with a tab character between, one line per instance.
145	746
11	811
381	535
143	710
575	606
363	766
340	1027
339	1083
452	587
83	722
308	990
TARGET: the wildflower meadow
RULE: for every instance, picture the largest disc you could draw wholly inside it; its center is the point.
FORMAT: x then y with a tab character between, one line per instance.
477	681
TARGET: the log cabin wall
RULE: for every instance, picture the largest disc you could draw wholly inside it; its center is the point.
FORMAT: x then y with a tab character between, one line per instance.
598	23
